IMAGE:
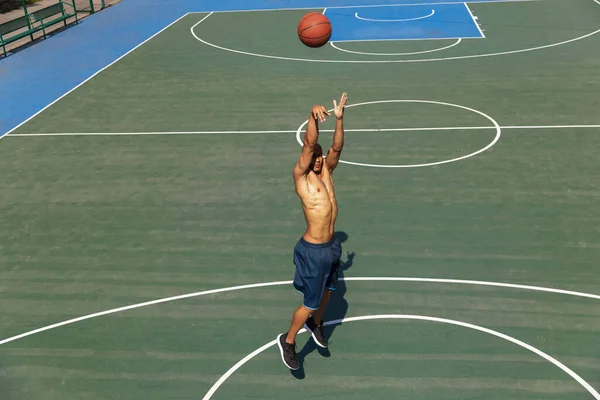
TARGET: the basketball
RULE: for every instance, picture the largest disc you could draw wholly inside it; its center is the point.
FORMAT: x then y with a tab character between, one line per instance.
314	29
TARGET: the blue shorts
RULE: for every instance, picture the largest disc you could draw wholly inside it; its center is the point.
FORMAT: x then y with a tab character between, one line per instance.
317	268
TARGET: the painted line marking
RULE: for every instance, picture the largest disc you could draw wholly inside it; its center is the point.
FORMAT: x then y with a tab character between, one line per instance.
549	126
280	283
395	54
440	128
387	61
92	76
500	335
405	39
2	135
495	124
367	6
474	20
395	20
145	133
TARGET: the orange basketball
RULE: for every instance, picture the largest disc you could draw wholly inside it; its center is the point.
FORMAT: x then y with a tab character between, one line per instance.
314	29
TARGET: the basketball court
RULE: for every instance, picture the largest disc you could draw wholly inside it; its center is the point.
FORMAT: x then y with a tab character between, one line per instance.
149	214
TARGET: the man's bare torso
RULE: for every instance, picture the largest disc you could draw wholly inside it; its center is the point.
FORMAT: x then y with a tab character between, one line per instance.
319	205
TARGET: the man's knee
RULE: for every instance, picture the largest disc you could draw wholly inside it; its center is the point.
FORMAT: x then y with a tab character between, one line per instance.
304	309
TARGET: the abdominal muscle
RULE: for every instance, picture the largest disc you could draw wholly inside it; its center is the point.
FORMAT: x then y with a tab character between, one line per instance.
319	206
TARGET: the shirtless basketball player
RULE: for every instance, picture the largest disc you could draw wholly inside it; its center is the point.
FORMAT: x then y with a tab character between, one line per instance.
317	253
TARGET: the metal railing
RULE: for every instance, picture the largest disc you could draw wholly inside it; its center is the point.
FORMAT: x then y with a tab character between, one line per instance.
90	6
25	10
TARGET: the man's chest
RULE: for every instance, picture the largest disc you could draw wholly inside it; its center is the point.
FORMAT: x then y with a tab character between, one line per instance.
320	185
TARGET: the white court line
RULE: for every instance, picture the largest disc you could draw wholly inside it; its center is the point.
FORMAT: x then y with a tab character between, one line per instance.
2	135
146	133
500	335
474	20
396	54
406	39
495	124
267	56
424	129
369	6
394	20
280	283
549	126
305	60
90	77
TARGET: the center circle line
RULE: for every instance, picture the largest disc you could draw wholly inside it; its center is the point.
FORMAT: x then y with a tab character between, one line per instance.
493	142
492	332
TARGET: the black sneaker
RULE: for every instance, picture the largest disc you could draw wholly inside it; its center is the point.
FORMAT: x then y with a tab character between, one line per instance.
316	331
288	352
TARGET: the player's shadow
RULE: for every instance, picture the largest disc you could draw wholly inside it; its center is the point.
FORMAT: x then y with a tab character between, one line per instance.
336	310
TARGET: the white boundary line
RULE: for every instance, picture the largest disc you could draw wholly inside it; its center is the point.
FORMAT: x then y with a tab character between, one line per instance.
396	54
92	76
424	129
277	9
547	46
406	39
369	6
145	133
289	9
474	20
495	124
394	20
549	126
500	335
280	283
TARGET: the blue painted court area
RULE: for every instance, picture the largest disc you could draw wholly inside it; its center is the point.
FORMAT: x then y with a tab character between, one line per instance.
438	21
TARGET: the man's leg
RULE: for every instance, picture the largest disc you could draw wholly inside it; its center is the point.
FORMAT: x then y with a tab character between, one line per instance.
330	283
287	341
317	316
309	281
314	324
298	319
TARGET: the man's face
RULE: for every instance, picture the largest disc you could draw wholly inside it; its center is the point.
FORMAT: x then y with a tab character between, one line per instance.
317	162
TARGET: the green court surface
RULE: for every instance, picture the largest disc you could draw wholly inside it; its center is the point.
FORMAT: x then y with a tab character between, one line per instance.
169	173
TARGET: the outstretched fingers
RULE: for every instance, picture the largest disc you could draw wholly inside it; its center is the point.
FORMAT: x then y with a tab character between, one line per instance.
343	99
319	113
339	108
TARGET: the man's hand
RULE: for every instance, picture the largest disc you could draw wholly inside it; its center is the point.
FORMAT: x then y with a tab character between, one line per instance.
319	112
338	109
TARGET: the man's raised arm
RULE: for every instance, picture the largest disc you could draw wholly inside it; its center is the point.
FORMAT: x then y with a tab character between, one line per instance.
333	155
311	138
